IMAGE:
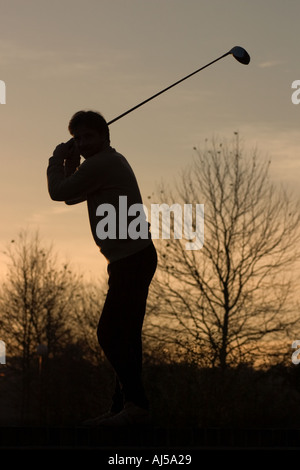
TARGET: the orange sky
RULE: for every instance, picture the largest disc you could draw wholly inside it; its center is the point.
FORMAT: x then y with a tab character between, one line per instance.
61	56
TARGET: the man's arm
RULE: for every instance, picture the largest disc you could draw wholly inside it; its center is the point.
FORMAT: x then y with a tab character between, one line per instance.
70	166
71	202
74	188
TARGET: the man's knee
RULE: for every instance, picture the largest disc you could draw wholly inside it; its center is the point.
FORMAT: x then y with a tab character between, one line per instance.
108	337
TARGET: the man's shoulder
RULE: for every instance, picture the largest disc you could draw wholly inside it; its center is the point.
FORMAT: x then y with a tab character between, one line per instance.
105	156
109	162
111	158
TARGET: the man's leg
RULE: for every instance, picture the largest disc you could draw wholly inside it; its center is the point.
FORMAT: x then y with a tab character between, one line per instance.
118	397
120	325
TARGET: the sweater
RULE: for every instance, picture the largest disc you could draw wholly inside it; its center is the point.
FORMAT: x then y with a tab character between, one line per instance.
100	179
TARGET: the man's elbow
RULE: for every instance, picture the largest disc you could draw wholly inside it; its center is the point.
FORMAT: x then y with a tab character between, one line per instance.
77	200
55	196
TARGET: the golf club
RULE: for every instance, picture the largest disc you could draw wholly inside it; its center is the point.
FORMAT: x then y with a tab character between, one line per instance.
240	54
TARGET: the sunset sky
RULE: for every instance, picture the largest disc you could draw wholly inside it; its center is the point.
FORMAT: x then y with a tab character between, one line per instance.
107	55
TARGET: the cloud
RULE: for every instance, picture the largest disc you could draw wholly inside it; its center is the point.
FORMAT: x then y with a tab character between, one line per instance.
62	62
43	216
270	63
11	52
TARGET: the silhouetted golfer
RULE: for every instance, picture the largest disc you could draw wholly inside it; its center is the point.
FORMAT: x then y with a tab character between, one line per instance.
102	178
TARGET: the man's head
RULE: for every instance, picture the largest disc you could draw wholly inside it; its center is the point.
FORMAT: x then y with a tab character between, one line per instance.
90	132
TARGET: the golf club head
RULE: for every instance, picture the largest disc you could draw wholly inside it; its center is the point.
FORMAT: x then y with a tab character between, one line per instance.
240	54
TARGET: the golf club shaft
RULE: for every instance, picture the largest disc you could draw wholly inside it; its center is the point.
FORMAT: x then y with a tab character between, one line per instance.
165	89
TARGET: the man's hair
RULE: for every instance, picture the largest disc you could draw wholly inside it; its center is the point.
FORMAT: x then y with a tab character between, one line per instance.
89	119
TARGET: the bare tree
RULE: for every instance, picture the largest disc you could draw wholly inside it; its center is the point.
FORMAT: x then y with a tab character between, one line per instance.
36	301
36	296
87	311
233	299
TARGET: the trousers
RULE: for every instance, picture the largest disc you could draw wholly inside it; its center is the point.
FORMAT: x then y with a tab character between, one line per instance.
120	326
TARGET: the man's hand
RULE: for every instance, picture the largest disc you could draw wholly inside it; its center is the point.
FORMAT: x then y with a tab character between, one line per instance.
67	151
